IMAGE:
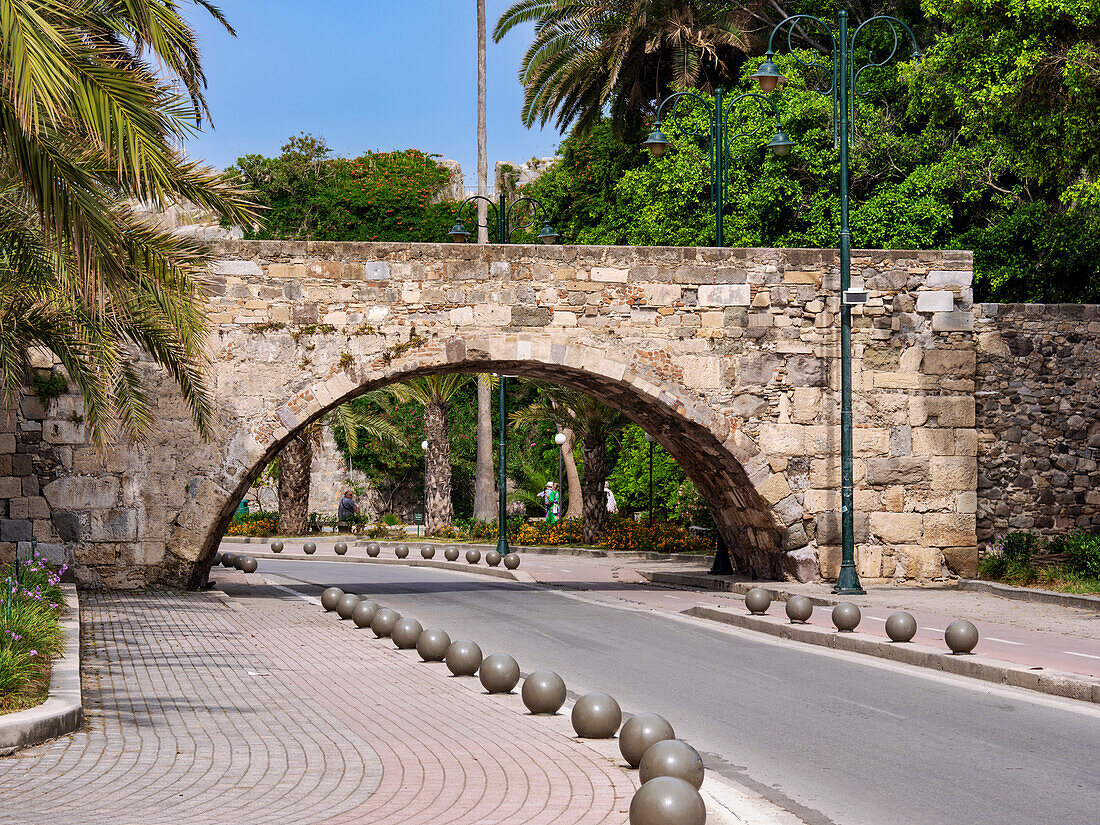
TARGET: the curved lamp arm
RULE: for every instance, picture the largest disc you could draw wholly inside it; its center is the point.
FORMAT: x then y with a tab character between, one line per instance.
657	143
459	233
873	62
780	143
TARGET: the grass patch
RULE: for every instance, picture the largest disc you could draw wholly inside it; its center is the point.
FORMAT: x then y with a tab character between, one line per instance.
30	632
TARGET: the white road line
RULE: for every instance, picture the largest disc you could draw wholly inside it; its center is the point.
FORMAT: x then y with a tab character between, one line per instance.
934	629
1002	641
876	618
563	570
1075	653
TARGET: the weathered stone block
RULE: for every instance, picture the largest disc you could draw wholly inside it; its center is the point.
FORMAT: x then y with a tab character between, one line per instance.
945	410
821	501
954	473
950	530
896	470
11	487
528	316
15	530
928	441
957	321
662	294
82	492
935	301
949	362
829	528
724	295
897	528
608	274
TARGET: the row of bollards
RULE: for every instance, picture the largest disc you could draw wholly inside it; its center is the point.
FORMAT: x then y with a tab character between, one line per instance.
246	564
373	549
670	770
961	635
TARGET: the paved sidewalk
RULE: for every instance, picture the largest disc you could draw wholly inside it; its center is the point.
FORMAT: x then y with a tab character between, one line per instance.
267	710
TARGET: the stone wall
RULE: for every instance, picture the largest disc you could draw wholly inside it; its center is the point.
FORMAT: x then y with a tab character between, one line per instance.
729	357
1038	401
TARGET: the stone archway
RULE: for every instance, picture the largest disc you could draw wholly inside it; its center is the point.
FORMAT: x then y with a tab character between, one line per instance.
700	438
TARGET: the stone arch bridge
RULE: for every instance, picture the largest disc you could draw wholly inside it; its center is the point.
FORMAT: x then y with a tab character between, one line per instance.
729	357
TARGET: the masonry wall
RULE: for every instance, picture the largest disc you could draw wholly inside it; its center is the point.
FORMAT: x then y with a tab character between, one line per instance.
730	357
1038	408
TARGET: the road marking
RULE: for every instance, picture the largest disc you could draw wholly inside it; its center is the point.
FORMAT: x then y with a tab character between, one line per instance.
876	618
1002	641
1075	653
563	570
934	629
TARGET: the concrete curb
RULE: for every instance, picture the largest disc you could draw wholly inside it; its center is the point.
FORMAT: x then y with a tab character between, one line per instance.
725	584
1053	682
63	711
1026	594
455	566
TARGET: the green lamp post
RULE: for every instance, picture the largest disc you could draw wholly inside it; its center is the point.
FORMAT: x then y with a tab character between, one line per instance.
845	78
503	219
676	107
502	473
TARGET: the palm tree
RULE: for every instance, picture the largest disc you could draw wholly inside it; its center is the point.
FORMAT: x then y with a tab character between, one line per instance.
485	490
572	477
89	118
296	458
594	422
589	55
435	393
482	138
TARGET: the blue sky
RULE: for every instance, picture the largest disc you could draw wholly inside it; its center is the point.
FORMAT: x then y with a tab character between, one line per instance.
364	74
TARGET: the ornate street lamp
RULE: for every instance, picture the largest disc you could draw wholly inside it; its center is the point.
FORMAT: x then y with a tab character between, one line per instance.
845	79
506	219
719	142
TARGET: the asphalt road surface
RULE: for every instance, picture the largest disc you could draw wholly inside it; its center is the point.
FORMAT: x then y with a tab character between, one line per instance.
833	738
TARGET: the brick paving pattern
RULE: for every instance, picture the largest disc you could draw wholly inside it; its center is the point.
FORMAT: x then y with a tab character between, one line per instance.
267	710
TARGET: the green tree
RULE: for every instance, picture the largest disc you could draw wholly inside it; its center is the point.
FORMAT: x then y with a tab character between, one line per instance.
89	118
597	426
630	478
620	56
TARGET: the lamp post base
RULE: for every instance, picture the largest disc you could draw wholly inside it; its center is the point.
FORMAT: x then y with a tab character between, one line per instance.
847	583
502	547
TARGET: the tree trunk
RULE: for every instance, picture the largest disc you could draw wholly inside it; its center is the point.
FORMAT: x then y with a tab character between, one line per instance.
597	468
295	462
485	489
438	482
573	507
482	138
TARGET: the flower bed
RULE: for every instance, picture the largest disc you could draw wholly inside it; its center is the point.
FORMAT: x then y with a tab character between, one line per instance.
30	636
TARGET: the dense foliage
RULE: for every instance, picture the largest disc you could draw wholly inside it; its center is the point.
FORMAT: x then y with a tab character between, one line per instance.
379	196
1066	562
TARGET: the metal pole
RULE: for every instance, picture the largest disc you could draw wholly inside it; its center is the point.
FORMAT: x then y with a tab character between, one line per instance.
717	170
502	478
502	224
848	580
560	510
650	484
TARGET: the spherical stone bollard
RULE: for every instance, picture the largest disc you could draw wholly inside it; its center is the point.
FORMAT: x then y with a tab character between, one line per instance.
238	560
667	800
758	600
276	546
340	547
499	673
511	561
227	559
961	636
846	617
432	644
799	609
473	555
401	551
427	552
901	627
463	657
492	558
451	553
640	733
217	560
596	716
543	692
373	549
405	633
672	757
309	548
383	621
249	564
347	604
363	613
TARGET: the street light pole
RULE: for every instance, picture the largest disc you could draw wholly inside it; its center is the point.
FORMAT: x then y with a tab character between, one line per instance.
560	440
649	518
424	447
502	476
845	80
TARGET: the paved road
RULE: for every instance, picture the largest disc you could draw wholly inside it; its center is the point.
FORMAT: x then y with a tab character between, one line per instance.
835	739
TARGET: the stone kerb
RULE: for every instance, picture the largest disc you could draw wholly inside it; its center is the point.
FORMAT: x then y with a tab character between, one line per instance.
729	356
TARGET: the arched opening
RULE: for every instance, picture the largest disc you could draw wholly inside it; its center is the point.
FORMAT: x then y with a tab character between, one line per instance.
702	439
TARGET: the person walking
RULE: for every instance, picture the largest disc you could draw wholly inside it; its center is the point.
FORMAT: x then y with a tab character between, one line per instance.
345	512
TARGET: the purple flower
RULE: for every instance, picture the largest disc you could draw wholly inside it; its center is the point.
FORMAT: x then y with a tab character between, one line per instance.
33	652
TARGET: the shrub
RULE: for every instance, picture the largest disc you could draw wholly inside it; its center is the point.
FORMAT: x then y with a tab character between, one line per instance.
258	523
1009	558
658	537
33	636
1082	551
